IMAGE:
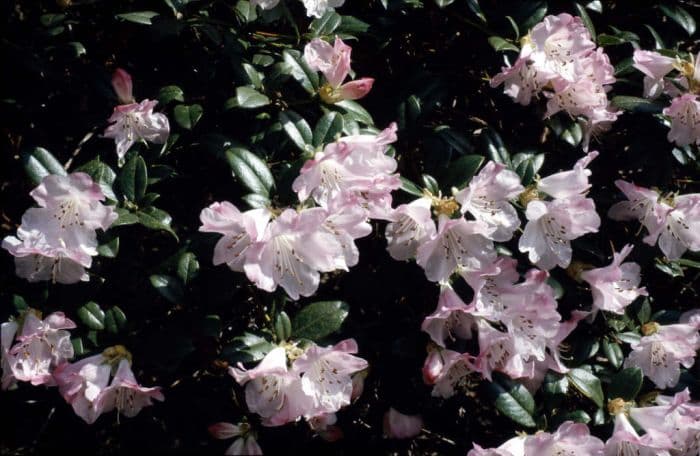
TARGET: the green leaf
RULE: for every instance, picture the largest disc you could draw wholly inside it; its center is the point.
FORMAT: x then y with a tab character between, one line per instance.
248	347
319	319
644	313
246	11
327	128
461	171
586	19
476	9
250	170
133	179
351	24
170	93
187	116
109	248
92	316
254	76
534	12
495	147
39	163
19	303
514	401
300	71
297	129
636	104
78	348
680	16
658	41
526	165
501	45
102	175
325	25
256	201
613	352
410	188
169	287
578	416
115	320
155	219
626	384
138	17
430	184
587	384
555	384
248	98
353	111
51	20
283	326
443	3
124	217
187	267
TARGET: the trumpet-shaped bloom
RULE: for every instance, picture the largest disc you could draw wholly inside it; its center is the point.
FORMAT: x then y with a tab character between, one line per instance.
458	242
615	286
682	228
499	351
411	225
81	383
451	318
125	394
655	67
453	367
660	354
567	184
245	443
135	122
642	204
334	63
685	120
487	198
626	440
317	8
570	439
512	447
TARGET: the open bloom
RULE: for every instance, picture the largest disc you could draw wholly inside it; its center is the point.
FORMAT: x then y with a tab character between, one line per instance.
334	63
684	113
326	375
411	225
644	205
512	447
125	394
400	426
245	443
318	8
655	67
81	383
447	370
626	440
137	122
451	318
616	286
487	198
571	183
570	438
661	352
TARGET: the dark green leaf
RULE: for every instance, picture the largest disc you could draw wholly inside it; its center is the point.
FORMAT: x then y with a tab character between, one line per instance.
680	16
170	93
587	384
297	129
19	303
319	319
133	179
115	320
495	147
283	326
476	9
138	17
514	401
247	348
443	3
586	19
410	188
78	348
613	352
155	219
110	248
325	25
256	200
658	41
300	71
187	116
211	326
353	111
327	128
430	184
187	267
169	287
626	384
501	45
102	175
246	11
39	163
250	170
92	316
351	24
462	170
248	98
636	104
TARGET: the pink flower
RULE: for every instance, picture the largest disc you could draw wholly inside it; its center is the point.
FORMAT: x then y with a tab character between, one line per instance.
318	8
451	318
125	394
682	229
626	440
685	120
81	383
660	353
499	352
326	375
240	230
457	243
334	63
400	426
512	447
521	81
40	346
616	286
245	443
655	67
121	82
487	198
348	221
7	336
324	426
490	284
551	227
571	438
137	122
567	184
643	205
454	369
411	225
272	391
57	240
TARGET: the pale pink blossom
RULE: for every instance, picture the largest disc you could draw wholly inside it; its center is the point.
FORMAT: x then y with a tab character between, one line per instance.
454	370
684	113
432	366
318	8
551	227
123	86
131	123
625	440
272	390
244	443
644	205
7	336
40	346
499	352
81	383
451	318
661	353
239	229
681	231
655	67
521	81
488	199
324	426
615	286
512	447
567	184
457	243
411	225
490	284
348	221
326	375
334	63
400	426
570	439
125	394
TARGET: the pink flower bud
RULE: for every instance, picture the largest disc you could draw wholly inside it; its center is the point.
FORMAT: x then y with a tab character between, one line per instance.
121	81
354	90
400	426
432	367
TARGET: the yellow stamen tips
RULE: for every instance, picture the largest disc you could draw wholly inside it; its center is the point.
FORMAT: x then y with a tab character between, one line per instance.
115	354
576	268
687	69
530	194
329	94
617	406
292	350
650	328
525	40
445	206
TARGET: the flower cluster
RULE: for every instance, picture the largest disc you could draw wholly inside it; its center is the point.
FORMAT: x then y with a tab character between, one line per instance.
682	86
132	122
316	384
672	220
56	241
350	180
334	63
559	59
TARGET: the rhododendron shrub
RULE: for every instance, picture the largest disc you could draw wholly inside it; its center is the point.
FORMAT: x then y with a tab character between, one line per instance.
331	227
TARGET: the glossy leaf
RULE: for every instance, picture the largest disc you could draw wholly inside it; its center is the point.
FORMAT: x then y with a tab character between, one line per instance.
39	163
319	319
